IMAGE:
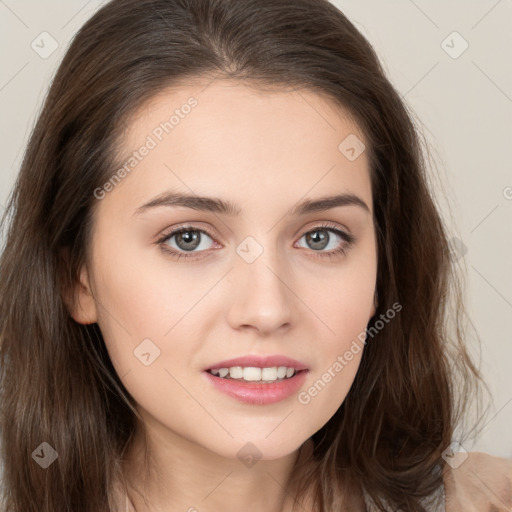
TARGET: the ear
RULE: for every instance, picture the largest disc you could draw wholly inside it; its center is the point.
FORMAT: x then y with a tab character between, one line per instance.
78	297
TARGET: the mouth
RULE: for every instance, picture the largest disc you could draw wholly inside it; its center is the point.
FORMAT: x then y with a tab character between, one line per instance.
257	379
253	374
257	386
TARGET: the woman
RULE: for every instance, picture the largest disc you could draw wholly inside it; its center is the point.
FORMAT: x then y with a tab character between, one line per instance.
225	283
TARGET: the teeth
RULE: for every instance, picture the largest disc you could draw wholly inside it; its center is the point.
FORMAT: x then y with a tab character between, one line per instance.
252	374
268	373
236	372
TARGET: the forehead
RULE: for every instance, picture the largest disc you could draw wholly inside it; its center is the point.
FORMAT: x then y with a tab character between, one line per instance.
222	103
228	138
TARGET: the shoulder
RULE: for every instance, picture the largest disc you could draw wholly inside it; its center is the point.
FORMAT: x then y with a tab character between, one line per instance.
477	481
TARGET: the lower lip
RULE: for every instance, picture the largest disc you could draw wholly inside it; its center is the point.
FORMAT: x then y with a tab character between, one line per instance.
256	393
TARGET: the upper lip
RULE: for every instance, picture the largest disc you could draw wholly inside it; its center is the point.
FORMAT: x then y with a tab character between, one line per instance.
260	362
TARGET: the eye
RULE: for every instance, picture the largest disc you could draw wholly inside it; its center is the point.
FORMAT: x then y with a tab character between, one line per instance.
319	239
187	240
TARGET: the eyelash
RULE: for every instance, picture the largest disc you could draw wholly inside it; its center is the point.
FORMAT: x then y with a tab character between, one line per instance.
341	251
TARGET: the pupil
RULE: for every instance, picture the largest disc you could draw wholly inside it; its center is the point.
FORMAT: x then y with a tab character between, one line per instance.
318	238
188	237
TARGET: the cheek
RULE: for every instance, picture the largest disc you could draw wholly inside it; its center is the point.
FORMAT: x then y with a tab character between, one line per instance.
344	304
342	300
133	289
149	334
345	311
142	296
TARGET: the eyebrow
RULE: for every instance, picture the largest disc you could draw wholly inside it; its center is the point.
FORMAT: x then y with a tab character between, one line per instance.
216	205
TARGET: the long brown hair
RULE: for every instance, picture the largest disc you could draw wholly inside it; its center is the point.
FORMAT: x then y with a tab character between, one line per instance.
57	384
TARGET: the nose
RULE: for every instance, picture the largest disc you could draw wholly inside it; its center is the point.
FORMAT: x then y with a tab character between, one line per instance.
262	295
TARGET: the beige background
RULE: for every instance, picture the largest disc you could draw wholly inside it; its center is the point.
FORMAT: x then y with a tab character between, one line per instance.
464	105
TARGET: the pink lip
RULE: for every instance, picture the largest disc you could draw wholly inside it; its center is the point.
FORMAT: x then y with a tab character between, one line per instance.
257	393
260	362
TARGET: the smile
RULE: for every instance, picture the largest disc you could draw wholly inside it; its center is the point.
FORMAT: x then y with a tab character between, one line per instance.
257	391
252	374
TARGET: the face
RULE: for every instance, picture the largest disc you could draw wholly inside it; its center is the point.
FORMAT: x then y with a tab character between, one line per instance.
270	278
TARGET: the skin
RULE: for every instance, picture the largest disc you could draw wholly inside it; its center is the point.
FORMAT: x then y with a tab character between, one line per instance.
265	151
